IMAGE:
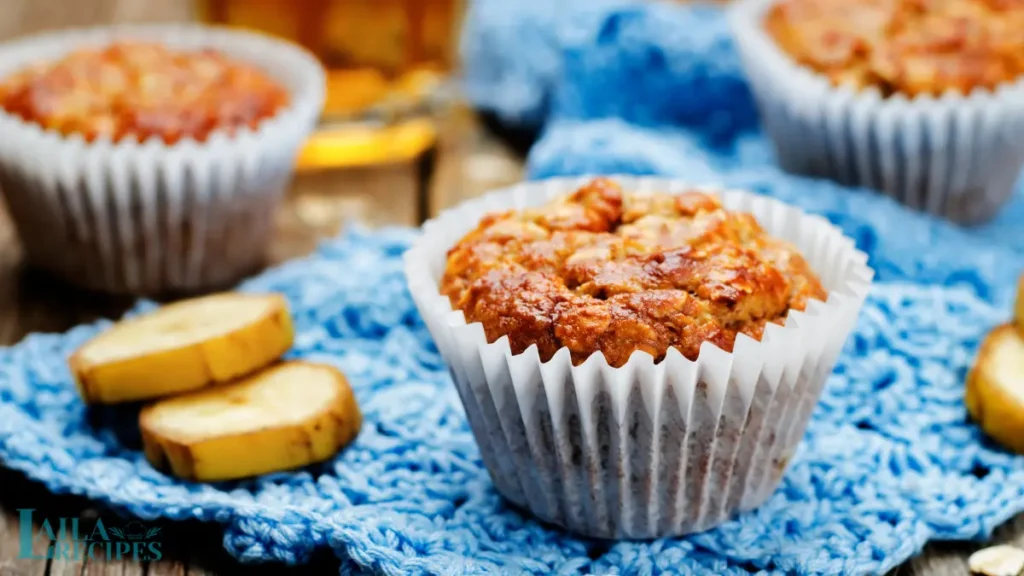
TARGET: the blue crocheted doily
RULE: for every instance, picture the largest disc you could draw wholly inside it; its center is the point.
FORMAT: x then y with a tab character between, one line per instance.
889	460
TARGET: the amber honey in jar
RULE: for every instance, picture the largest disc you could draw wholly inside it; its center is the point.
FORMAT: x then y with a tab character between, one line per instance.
388	65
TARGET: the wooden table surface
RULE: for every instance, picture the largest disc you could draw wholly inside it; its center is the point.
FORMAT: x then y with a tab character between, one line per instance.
468	161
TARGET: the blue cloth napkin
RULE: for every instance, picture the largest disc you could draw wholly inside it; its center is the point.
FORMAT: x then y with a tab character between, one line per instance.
889	460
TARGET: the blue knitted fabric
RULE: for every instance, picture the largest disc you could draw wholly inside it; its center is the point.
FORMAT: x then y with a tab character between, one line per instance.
511	51
889	460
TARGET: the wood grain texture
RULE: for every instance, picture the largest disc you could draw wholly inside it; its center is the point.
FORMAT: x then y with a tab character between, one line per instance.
10	546
22	17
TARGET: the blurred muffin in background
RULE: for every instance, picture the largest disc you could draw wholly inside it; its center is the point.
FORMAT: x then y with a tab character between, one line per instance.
149	160
910	47
922	99
140	90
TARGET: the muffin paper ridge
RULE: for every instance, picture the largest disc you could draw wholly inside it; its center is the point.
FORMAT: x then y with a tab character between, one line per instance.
147	217
953	155
597	449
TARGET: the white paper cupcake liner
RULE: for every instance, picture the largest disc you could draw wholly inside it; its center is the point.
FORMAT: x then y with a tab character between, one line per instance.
954	156
148	217
645	450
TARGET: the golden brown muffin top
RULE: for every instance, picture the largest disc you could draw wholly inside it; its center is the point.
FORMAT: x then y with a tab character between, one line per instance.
137	90
906	46
611	271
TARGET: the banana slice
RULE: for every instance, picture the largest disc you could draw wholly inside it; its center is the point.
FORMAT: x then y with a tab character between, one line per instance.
289	415
1001	560
995	387
183	346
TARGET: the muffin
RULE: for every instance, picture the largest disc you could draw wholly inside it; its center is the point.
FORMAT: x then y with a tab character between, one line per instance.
607	271
149	160
921	99
910	47
637	357
133	90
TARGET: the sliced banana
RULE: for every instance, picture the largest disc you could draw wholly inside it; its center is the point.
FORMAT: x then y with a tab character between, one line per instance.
289	415
995	387
999	560
182	347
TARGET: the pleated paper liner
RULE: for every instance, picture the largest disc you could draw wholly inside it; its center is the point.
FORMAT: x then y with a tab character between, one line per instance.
149	217
648	449
955	156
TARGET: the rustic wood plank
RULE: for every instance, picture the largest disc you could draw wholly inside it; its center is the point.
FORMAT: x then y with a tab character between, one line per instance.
10	548
150	11
470	162
23	17
939	559
19	495
10	257
114	568
61	566
950	558
174	549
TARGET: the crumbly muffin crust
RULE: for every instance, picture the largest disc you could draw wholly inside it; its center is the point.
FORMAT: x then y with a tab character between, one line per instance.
911	47
140	90
604	270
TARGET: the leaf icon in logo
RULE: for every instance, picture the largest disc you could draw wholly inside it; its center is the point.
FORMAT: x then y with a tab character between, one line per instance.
134	530
116	532
152	532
